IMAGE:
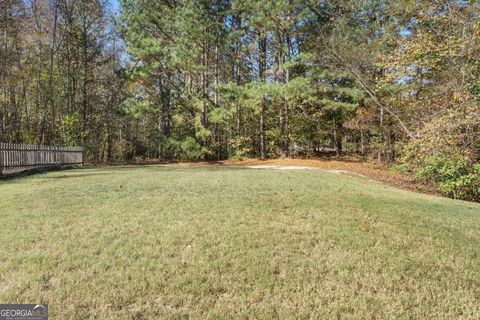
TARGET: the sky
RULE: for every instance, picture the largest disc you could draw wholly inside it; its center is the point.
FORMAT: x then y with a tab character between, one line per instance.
114	5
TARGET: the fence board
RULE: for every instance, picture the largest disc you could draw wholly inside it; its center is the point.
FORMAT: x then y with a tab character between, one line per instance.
20	157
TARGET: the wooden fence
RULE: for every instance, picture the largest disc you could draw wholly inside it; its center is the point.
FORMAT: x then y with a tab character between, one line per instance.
20	157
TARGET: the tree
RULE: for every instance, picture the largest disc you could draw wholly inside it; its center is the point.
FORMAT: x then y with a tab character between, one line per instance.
392	81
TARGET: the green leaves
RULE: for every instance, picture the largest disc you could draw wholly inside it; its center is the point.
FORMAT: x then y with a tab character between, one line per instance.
188	149
137	106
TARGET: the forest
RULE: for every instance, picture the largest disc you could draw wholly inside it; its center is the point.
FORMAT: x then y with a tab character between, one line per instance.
395	82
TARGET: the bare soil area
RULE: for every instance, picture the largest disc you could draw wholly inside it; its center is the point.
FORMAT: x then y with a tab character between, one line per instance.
344	165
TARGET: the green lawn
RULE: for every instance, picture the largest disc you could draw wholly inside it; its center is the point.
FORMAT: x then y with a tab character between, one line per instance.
220	243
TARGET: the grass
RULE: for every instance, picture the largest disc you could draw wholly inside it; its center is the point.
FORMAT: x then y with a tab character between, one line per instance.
220	243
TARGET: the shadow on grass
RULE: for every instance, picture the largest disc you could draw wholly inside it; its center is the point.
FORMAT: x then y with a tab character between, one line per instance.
35	171
79	175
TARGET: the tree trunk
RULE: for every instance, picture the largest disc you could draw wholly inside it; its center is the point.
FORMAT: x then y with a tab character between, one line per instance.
205	85
263	155
262	69
286	129
50	100
336	140
362	142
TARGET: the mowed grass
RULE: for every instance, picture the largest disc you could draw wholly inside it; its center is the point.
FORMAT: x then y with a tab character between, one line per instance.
172	242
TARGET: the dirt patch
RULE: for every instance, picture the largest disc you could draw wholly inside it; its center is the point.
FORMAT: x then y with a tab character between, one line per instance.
336	171
280	167
347	165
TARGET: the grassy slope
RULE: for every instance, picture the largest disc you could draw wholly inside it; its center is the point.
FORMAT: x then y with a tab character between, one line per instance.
155	242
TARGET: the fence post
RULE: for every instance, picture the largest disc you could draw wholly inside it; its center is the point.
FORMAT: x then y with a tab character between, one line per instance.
1	158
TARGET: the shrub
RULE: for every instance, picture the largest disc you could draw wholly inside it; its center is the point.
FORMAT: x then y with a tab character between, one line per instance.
454	177
446	153
464	187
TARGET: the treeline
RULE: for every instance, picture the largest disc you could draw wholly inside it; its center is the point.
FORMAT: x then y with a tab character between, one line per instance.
393	81
60	74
